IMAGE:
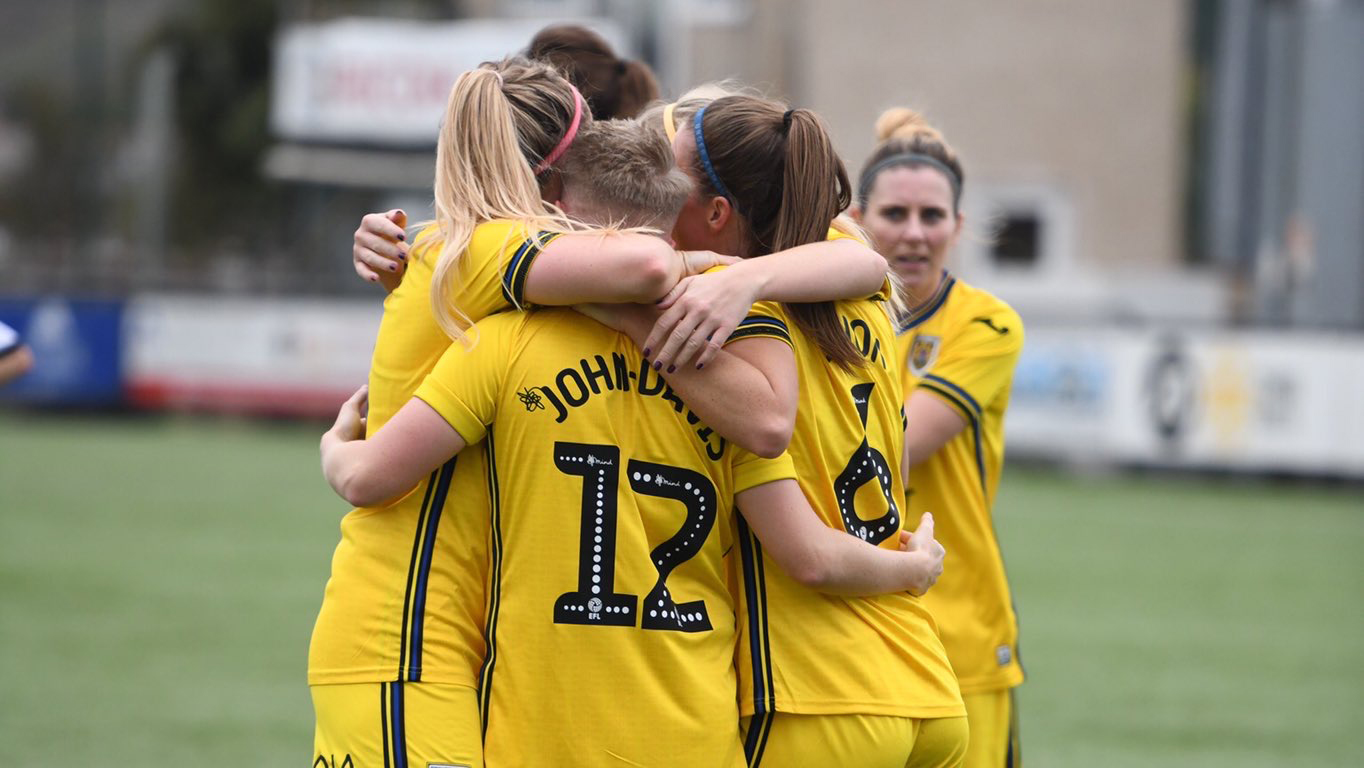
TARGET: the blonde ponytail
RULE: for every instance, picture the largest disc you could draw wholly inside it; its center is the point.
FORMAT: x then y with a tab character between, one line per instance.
493	132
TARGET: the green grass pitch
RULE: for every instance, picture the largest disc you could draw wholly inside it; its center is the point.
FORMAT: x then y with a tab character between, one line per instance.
159	579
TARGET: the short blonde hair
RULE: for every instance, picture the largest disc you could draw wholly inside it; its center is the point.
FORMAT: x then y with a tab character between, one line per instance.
624	173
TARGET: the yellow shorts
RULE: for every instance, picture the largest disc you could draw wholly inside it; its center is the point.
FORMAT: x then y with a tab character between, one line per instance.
994	730
868	741
396	725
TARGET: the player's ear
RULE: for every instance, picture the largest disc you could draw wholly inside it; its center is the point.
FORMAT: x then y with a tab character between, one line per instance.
855	213
719	213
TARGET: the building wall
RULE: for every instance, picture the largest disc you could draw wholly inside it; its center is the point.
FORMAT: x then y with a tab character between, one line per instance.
1083	97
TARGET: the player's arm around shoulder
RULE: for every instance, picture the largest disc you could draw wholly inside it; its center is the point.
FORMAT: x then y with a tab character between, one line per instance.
450	409
368	472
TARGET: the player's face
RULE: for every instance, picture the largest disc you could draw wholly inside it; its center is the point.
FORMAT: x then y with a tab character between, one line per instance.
913	223
692	230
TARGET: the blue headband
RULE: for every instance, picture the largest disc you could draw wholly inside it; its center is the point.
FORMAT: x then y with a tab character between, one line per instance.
705	156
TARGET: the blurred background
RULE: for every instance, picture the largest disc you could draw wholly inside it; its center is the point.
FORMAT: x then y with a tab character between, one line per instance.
1170	192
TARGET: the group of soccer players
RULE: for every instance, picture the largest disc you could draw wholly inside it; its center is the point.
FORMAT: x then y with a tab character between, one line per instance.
668	526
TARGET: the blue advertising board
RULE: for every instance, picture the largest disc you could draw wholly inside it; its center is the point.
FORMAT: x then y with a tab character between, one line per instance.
77	351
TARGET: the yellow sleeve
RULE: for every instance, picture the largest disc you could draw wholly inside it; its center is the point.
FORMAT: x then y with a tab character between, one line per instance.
977	362
465	384
495	266
751	471
845	228
764	320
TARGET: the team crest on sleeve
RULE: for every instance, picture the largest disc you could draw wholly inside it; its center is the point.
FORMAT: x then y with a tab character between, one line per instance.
923	352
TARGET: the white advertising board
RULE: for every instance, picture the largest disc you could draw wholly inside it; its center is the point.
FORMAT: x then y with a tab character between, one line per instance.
1252	400
294	357
385	81
1244	400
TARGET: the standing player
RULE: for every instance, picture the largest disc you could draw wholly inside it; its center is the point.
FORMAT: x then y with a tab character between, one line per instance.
957	347
611	527
823	680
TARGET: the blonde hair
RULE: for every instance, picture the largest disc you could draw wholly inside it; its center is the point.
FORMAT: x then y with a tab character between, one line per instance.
623	171
681	111
501	120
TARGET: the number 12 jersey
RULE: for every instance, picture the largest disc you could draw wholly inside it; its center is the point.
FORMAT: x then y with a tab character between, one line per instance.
610	623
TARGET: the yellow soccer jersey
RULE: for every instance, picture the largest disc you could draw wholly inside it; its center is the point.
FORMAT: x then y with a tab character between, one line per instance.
611	625
961	346
405	600
804	652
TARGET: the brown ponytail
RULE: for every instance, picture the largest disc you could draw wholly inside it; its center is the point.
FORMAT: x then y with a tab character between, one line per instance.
786	181
637	87
614	88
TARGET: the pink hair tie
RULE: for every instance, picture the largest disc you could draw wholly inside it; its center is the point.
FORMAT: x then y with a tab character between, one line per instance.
569	135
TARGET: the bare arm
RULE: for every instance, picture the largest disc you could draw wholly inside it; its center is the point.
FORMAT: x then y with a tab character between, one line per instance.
748	393
367	472
574	268
611	268
824	271
830	560
15	364
708	307
931	424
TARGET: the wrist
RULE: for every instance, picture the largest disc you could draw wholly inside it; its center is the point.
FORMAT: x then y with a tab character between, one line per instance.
754	277
918	573
637	328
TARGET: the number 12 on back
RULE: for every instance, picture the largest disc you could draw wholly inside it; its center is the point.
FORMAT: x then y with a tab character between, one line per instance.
595	601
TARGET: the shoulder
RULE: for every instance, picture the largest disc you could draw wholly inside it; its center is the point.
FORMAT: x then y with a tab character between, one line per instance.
765	319
494	235
979	314
844	228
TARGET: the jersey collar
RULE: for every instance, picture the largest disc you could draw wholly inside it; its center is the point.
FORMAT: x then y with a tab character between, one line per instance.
919	314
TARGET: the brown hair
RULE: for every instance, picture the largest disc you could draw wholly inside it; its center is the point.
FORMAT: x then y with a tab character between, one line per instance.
624	172
906	139
614	87
783	177
500	121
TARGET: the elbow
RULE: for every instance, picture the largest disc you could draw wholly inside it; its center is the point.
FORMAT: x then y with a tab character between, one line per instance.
812	573
654	276
765	436
772	437
870	265
360	488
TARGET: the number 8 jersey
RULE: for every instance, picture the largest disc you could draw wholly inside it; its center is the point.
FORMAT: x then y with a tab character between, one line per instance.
809	653
610	623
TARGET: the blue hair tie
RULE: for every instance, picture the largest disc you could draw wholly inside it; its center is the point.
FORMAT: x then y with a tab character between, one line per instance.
705	156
